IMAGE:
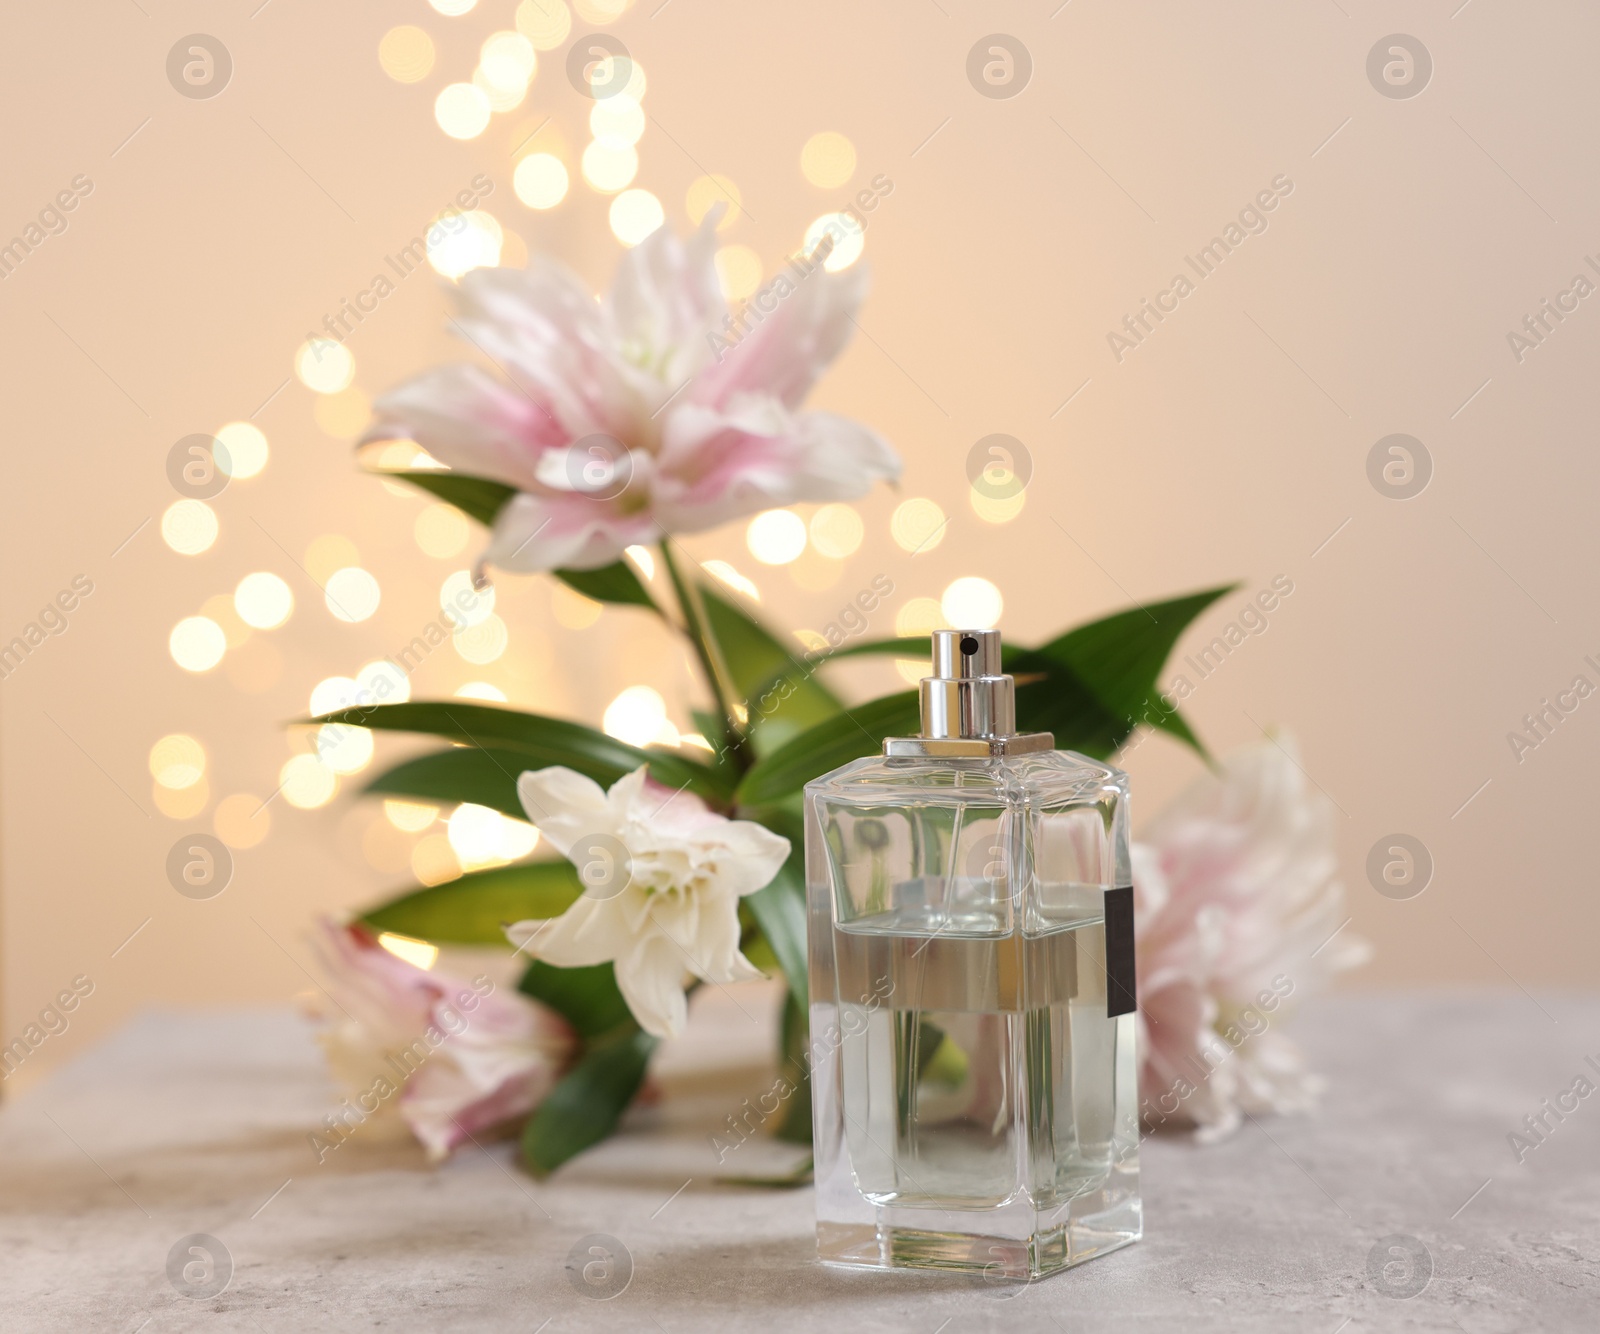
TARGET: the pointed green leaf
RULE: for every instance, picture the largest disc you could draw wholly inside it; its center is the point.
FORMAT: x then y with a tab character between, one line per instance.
1119	659
778	684
471	909
615	583
463	773
585	1106
541	741
477	497
588	998
847	736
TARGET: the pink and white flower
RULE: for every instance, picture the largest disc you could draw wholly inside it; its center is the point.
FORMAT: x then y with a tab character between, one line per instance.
1239	906
625	419
664	876
453	1058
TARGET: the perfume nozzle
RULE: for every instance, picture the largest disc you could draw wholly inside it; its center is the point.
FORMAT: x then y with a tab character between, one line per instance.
968	695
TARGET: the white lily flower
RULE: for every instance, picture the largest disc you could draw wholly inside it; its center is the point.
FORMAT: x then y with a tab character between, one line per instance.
663	876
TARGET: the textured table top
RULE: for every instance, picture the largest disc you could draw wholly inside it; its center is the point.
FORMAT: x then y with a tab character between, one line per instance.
188	1123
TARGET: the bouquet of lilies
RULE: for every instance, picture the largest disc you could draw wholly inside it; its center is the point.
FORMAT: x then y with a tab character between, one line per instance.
608	426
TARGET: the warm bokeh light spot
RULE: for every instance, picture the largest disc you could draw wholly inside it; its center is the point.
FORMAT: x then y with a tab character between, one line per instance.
244	450
776	537
919	617
343	748
412	817
406	54
634	215
333	692
324	365
263	600
507	60
837	531
545	23
482	643
462	110
189	527
828	159
996	509
352	594
972	603
464	600
848	240
197	643
600	11
481	690
306	782
609	169
617	122
465	241
540	180
636	716
917	525
177	761
453	7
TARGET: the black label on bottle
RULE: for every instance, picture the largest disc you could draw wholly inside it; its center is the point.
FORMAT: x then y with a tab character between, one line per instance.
1121	982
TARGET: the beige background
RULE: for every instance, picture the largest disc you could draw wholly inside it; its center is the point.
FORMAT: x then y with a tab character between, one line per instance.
1230	446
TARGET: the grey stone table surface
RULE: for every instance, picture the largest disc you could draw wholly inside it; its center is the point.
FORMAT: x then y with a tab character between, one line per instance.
199	1123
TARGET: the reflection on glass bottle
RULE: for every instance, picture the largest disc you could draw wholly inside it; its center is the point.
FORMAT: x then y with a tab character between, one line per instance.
972	992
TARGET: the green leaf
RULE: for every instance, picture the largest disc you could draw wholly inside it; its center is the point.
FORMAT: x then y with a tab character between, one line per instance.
588	998
908	646
615	583
539	740
794	1039
1051	698
847	736
585	1106
1118	659
477	497
471	909
484	777
778	684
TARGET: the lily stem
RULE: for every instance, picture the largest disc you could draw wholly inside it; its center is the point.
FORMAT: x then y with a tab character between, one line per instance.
709	653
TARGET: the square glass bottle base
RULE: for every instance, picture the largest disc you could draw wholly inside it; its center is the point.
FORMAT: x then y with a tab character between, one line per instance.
895	1242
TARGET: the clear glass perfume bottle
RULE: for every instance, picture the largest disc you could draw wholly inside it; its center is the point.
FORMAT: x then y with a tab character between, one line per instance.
972	992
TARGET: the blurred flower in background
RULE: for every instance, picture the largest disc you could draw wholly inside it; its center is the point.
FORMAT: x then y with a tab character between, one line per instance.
457	1058
649	412
1239	907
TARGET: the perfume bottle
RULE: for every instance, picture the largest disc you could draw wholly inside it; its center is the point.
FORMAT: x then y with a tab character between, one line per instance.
970	910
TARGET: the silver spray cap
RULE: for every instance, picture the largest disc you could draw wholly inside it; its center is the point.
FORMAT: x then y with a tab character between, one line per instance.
969	704
968	694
